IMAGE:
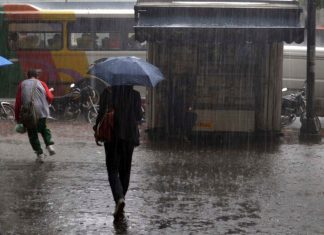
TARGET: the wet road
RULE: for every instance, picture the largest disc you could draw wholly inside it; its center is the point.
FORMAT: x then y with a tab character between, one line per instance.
265	188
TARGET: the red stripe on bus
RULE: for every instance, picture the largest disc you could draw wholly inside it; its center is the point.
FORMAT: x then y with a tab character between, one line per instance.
18	7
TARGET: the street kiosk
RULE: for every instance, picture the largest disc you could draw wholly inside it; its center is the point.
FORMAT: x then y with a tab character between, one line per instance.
222	62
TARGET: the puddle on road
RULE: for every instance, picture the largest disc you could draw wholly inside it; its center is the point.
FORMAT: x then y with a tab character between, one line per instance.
253	189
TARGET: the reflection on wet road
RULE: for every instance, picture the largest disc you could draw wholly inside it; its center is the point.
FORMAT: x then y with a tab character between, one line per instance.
175	188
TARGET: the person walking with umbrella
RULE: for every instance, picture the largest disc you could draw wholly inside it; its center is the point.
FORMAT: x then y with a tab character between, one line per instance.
126	104
122	73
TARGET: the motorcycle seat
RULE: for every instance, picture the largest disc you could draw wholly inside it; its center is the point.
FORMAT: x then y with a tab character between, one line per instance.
68	95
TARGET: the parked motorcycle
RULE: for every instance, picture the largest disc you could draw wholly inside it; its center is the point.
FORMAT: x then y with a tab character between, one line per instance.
73	104
7	111
293	105
93	113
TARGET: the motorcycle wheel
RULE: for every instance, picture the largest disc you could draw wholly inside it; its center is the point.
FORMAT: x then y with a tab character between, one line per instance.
8	113
92	115
70	114
94	96
96	84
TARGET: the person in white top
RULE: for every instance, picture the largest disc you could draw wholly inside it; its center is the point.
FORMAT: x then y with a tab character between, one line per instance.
42	97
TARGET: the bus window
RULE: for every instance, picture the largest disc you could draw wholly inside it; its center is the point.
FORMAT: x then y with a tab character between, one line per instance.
83	41
99	34
34	36
30	41
53	41
95	41
112	41
13	41
132	44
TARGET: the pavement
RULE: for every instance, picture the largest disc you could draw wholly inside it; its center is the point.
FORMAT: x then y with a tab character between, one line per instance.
177	187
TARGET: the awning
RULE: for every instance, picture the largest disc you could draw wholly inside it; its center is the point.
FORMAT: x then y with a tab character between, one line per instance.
220	21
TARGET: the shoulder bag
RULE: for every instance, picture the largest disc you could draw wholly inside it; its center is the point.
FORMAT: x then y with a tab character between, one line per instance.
104	131
28	116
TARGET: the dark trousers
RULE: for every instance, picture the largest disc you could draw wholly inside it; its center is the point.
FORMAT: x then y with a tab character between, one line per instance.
119	161
44	131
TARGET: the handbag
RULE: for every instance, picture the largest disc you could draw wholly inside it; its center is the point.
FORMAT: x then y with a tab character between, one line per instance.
104	131
19	128
28	116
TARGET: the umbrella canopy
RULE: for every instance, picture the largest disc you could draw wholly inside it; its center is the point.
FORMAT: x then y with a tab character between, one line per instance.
4	61
127	70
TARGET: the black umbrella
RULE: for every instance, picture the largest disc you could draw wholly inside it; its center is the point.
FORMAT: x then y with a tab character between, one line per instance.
127	70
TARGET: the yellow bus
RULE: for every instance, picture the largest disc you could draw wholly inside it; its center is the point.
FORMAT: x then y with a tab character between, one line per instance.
61	41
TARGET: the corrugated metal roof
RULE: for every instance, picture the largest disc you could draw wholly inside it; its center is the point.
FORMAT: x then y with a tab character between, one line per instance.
253	21
222	4
255	34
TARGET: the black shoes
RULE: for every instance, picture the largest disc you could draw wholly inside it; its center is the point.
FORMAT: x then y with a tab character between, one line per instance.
119	210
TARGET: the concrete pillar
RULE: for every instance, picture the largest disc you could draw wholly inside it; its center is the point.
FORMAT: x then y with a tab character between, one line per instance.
268	89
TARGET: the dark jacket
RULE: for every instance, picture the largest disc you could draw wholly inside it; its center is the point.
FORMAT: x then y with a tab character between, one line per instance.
127	105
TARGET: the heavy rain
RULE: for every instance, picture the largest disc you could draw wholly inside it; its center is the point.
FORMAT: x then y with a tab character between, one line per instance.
227	101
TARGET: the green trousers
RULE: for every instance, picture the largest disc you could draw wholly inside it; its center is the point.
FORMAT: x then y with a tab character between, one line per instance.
44	131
